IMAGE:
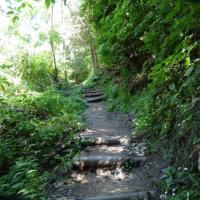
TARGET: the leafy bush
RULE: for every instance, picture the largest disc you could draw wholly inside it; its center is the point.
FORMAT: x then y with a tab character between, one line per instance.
37	70
79	70
37	135
116	94
24	180
179	183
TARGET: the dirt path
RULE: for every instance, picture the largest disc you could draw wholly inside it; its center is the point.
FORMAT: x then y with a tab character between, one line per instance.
110	167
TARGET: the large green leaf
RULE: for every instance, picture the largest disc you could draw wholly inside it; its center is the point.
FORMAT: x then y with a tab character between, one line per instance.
47	3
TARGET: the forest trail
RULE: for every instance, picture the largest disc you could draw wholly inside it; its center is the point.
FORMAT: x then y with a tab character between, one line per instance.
110	167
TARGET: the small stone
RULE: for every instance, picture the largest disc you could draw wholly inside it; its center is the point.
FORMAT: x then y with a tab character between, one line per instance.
59	184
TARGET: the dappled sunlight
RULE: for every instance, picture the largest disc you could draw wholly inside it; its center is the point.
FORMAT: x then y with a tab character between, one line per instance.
88	132
139	148
91	131
97	132
97	109
112	149
105	130
117	174
10	78
79	177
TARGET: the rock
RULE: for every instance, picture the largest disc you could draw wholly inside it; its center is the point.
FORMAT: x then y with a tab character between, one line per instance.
58	184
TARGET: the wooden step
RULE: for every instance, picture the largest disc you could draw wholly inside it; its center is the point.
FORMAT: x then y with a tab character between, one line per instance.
93	162
93	94
91	91
88	87
125	196
104	141
95	99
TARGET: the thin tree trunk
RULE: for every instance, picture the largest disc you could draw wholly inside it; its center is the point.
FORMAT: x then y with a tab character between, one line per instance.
54	62
62	24
53	49
94	56
92	46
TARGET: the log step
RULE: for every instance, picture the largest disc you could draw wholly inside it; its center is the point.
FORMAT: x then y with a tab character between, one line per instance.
95	99
91	91
93	94
88	87
93	162
125	196
104	141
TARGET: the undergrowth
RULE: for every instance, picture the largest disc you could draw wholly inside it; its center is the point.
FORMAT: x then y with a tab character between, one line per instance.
38	123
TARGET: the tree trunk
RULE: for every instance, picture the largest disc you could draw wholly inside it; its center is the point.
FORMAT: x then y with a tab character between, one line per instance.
53	49
62	24
54	62
94	56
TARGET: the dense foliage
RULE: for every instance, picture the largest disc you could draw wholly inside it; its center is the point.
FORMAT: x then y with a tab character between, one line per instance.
36	70
39	116
40	108
38	123
37	131
149	53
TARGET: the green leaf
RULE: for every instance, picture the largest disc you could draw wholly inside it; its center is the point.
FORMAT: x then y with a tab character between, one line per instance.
47	3
10	12
15	18
172	87
29	5
187	61
2	88
19	8
189	71
23	5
